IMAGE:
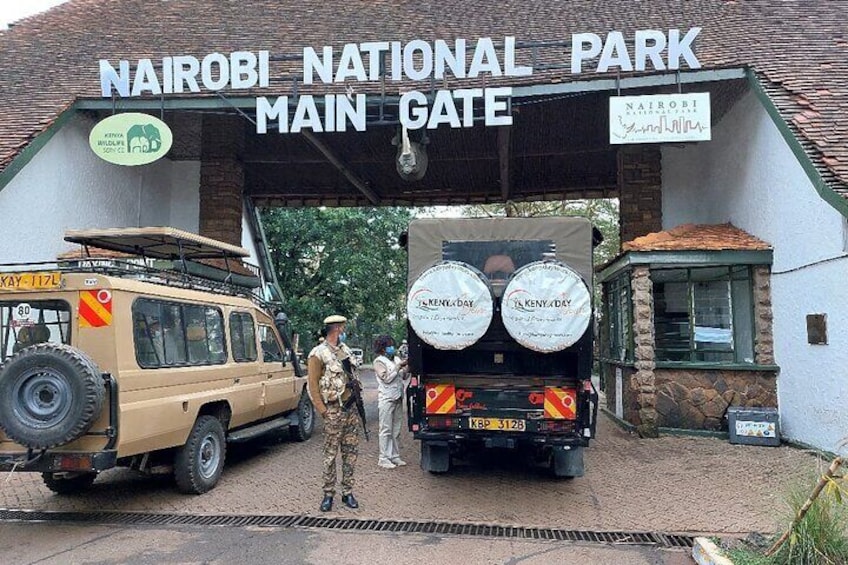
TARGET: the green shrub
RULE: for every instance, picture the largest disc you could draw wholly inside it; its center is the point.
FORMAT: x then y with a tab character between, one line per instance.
818	539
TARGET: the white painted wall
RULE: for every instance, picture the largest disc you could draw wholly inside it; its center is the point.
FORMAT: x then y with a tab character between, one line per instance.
65	186
748	175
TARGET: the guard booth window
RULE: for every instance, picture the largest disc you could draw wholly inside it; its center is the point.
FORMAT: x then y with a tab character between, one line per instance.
242	337
168	334
618	314
704	314
23	324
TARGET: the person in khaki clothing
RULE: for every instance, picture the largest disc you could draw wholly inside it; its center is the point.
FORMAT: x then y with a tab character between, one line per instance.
330	394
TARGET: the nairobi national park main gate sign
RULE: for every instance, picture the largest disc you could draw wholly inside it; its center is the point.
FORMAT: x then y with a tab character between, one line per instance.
412	62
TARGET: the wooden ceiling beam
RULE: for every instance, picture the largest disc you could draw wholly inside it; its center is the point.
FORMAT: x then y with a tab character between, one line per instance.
352	177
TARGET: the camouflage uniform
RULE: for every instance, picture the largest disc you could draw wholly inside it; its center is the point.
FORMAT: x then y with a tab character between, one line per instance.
341	427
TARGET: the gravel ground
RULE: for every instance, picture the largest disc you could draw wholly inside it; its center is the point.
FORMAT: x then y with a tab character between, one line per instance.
670	484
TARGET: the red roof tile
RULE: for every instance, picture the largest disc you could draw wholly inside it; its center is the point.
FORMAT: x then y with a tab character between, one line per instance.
692	237
798	49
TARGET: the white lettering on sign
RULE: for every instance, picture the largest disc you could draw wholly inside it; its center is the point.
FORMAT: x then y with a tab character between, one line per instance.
417	60
649	44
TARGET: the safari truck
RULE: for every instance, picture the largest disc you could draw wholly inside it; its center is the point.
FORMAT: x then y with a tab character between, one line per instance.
500	339
151	352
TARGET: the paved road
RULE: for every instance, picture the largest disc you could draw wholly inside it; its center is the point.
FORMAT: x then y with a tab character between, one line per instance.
671	484
53	544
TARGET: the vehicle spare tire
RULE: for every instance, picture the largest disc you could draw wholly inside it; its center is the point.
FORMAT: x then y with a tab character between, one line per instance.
546	306
450	306
50	395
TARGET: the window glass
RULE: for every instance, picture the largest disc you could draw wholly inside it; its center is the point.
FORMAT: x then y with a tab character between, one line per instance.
242	336
271	350
173	334
619	316
703	314
215	336
147	333
25	323
168	334
197	335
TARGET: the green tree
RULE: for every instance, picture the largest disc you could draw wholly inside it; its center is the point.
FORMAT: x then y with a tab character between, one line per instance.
340	261
602	212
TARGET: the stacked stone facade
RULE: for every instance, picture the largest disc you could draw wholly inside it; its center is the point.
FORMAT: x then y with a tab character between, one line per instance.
642	381
640	190
222	177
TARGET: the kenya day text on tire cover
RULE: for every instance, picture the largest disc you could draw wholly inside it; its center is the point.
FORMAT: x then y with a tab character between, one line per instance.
546	306
450	305
50	395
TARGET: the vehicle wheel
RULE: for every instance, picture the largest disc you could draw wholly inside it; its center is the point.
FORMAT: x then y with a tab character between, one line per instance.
199	463
306	419
50	395
66	483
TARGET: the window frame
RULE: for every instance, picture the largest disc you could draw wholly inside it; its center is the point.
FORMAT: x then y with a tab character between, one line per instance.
280	344
207	308
619	335
240	315
739	343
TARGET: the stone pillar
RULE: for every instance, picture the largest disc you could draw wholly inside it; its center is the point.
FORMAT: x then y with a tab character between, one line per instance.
764	336
221	177
639	190
642	386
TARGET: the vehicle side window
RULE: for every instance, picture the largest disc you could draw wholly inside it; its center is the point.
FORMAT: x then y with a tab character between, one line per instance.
168	334
271	350
242	337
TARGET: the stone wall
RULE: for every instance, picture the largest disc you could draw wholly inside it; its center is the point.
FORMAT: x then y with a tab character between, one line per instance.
698	399
222	177
641	383
640	190
763	317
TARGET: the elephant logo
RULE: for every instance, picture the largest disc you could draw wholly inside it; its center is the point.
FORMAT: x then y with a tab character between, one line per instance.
143	138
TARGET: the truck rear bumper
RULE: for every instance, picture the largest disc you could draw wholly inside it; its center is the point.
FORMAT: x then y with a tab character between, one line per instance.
507	440
59	461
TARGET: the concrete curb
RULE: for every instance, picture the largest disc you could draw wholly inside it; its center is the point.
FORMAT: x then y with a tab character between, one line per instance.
705	552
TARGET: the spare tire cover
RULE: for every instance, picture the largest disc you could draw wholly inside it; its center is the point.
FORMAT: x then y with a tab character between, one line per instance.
546	306
450	305
50	395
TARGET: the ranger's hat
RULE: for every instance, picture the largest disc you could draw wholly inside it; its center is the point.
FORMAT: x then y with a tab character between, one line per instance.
335	319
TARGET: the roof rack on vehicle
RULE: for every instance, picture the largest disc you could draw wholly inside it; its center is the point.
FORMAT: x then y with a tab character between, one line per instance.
169	256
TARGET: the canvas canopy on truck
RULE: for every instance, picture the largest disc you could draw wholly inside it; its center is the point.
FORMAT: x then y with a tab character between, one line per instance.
540	268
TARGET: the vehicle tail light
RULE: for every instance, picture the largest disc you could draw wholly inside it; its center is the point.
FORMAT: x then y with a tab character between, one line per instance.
413	381
74	462
556	426
587	386
415	427
442	423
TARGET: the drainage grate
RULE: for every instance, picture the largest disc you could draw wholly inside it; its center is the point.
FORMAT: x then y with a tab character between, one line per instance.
443	528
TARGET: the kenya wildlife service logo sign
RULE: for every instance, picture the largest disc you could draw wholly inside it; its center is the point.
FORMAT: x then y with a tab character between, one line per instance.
130	139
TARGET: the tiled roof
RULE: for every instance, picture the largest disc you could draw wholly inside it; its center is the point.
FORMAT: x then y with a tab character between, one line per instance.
797	48
691	237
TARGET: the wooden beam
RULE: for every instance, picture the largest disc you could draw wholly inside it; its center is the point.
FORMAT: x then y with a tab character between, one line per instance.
340	165
503	157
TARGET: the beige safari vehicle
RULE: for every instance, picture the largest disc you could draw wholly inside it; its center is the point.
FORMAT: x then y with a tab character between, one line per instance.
154	359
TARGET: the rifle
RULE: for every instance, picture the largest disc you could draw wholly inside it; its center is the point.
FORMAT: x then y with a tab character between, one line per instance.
355	394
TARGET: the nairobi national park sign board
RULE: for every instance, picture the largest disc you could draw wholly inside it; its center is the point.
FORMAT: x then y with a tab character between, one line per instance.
416	61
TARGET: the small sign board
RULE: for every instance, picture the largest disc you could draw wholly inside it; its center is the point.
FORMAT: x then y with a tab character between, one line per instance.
660	118
130	139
